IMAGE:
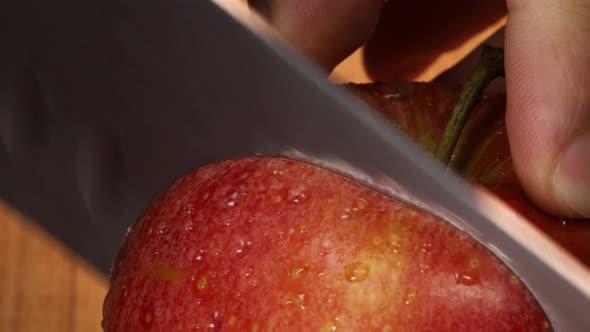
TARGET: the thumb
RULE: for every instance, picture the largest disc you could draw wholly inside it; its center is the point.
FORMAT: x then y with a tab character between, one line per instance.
548	87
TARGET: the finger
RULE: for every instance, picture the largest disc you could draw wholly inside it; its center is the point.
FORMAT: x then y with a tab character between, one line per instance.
548	115
409	41
325	30
419	39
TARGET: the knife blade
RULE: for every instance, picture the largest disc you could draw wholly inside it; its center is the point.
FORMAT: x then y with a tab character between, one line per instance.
105	104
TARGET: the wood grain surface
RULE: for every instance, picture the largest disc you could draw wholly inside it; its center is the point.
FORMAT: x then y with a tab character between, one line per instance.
45	287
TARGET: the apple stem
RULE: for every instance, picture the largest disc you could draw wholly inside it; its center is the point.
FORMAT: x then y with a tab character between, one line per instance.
489	67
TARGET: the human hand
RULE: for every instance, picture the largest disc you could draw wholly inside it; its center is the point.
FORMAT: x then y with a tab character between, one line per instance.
547	71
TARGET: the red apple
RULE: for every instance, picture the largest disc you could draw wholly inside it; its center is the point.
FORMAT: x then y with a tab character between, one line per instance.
268	244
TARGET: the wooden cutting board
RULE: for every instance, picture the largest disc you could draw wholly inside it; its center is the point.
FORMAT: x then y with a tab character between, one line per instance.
45	287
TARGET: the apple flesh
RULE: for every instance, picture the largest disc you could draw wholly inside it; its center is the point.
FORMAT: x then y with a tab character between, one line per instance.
271	244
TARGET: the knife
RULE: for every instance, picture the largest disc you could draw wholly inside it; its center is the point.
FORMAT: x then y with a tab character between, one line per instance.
103	104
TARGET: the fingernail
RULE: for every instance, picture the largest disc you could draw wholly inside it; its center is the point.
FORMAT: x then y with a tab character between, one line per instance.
572	177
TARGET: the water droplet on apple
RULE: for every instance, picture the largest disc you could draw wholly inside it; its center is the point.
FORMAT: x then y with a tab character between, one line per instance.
344	216
467	277
231	321
189	226
161	228
359	204
329	326
247	273
423	267
296	272
331	298
202	283
148	318
426	246
297	300
297	196
356	272
188	210
395	243
409	296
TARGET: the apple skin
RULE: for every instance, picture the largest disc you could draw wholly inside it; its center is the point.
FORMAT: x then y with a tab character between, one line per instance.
271	244
482	155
